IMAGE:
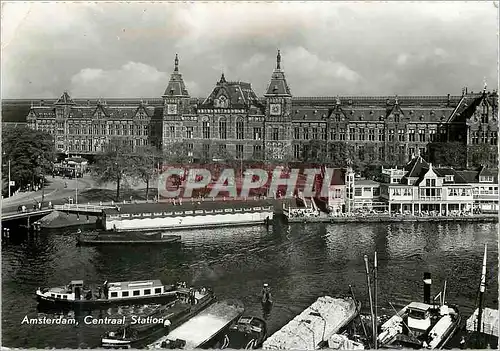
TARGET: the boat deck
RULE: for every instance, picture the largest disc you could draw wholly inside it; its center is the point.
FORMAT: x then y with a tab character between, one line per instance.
205	325
316	323
490	321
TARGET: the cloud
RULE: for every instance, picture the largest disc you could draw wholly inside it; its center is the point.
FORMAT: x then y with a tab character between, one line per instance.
133	79
327	47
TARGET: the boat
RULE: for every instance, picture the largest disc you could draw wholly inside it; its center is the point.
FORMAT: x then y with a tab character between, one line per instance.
204	329
246	333
311	329
139	332
421	324
135	238
76	294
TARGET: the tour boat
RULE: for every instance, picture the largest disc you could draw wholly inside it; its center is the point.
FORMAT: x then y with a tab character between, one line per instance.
76	294
204	329
421	325
128	239
138	332
246	333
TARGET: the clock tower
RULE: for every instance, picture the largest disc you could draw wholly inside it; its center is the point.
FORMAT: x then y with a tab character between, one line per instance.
175	104
278	122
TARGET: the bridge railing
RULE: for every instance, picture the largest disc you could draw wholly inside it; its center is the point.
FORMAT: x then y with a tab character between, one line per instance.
83	208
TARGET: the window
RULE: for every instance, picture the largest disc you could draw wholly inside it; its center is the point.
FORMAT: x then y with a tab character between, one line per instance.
432	135
147	291
376	191
421	135
257	151
484	118
371	135
315	133
486	179
296	151
222	128
114	294
275	134
442	136
401	135
352	133
136	292
306	133
357	192
448	177
172	131
206	130
296	133
333	134
361	133
205	151
411	152
157	290
484	137
422	151
430	182
494	138
240	130
475	138
190	148
381	135
342	134
380	153
324	134
125	294
239	152
391	135
145	130
361	152
257	133
402	150
189	132
411	135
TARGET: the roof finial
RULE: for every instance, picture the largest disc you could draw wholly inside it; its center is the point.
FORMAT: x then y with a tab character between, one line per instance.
485	84
176	69
278	60
222	78
338	100
396	100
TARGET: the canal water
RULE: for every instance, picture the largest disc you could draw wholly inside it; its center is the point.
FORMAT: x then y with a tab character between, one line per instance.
300	262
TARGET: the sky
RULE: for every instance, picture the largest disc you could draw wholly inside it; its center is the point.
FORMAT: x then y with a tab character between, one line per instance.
327	48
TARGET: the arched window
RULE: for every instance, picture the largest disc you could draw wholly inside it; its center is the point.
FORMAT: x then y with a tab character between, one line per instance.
222	128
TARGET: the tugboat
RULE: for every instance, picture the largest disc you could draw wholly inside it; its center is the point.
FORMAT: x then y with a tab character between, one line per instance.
77	295
421	325
138	333
246	333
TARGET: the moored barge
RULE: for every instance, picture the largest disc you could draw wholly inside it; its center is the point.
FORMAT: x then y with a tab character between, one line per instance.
202	330
76	294
189	214
311	329
127	239
133	335
246	333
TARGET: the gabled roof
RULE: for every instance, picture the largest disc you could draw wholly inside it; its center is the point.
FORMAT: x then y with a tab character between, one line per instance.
396	108
278	85
176	86
443	172
415	166
236	94
472	176
65	99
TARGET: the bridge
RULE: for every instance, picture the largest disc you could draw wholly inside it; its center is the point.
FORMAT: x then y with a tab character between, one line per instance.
69	208
28	215
82	209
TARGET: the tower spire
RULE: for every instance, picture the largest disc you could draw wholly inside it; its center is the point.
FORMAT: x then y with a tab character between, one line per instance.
176	61
278	60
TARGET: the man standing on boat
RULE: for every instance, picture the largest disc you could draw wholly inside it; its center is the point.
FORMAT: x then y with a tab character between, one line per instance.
105	289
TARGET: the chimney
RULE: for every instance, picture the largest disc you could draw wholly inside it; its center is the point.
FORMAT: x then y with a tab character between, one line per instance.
427	288
42	102
448	100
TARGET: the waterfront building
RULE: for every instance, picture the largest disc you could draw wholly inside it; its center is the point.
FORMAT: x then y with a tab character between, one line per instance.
233	122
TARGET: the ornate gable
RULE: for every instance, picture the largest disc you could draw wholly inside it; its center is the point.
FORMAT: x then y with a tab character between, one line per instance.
338	114
100	111
65	99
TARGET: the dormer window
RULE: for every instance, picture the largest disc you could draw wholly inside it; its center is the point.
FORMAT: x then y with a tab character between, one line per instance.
448	178
486	179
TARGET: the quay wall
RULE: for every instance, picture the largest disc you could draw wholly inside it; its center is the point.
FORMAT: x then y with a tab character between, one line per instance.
58	219
390	219
186	222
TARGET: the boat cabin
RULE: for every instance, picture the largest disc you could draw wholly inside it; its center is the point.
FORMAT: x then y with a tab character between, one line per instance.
248	325
122	290
419	317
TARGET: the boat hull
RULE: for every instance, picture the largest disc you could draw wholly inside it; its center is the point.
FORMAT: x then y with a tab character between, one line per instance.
126	239
105	303
244	336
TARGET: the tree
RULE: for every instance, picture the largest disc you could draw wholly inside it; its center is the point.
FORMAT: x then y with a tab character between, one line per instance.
341	154
481	154
177	152
143	164
451	154
31	153
114	164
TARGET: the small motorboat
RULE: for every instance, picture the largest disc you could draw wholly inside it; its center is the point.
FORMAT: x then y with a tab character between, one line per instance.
246	333
133	238
139	332
76	294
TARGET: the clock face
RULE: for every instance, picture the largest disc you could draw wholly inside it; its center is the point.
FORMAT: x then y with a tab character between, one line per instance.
172	109
275	109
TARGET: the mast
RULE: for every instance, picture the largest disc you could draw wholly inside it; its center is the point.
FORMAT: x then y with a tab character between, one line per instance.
375	281
370	297
482	287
